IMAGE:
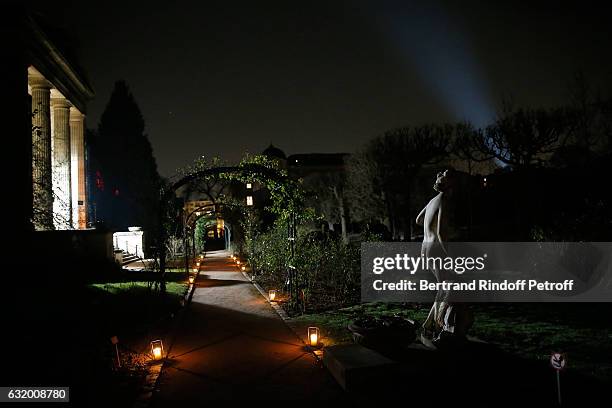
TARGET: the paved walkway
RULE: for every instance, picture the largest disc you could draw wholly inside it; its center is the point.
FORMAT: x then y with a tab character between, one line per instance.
232	346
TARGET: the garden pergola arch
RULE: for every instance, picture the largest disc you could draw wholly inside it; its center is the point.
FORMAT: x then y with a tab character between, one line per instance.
251	171
202	212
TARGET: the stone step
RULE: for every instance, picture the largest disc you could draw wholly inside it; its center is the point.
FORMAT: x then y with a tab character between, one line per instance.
129	259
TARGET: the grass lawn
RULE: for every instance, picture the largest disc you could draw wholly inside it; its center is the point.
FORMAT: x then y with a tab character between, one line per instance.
121	288
133	306
74	322
533	331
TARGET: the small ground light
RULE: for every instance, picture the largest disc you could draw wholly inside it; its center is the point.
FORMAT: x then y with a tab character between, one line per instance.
197	264
272	295
237	262
195	270
191	279
243	268
157	349
313	336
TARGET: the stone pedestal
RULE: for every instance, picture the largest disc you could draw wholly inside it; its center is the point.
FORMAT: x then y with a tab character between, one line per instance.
357	368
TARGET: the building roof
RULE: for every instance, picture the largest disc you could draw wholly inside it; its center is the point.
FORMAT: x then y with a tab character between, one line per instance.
275	152
58	65
317	159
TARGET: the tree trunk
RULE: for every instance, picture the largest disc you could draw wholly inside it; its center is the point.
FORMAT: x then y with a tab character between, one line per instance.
343	224
162	246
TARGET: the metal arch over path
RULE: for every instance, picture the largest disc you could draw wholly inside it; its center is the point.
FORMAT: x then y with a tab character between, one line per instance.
201	212
253	170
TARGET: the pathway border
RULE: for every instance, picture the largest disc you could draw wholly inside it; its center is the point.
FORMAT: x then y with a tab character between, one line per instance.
318	354
144	399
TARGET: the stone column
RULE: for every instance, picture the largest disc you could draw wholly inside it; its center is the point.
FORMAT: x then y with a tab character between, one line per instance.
41	154
77	150
62	206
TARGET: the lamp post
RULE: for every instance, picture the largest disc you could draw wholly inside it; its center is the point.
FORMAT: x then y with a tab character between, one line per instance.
185	236
291	270
249	213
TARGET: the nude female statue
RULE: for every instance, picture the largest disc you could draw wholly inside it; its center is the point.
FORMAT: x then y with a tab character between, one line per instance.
445	318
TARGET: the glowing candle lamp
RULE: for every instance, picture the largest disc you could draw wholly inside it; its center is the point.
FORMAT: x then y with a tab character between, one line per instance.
272	295
191	279
313	336
157	349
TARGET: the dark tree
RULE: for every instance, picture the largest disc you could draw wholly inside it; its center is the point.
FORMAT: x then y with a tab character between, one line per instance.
126	190
520	138
329	198
381	175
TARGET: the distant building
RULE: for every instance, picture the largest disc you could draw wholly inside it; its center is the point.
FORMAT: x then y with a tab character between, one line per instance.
303	165
277	155
196	209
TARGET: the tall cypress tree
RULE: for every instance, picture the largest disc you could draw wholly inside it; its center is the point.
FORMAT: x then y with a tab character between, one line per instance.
126	184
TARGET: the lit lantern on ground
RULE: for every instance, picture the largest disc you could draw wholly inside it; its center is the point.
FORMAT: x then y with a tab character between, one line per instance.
157	349
243	268
249	201
272	295
237	262
313	336
191	279
197	264
195	270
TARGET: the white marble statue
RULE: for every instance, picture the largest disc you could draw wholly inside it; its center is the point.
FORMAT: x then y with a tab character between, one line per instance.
446	319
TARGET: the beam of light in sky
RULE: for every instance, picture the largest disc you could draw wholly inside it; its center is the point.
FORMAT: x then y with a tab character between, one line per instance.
428	41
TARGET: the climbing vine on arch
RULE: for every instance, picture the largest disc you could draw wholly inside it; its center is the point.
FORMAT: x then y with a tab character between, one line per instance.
286	195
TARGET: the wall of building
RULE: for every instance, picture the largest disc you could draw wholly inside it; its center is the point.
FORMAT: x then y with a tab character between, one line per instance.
131	242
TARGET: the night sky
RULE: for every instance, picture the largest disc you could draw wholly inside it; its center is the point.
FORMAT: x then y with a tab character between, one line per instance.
222	78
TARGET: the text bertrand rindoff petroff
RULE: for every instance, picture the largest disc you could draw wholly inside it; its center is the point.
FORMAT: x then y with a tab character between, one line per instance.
457	266
487	271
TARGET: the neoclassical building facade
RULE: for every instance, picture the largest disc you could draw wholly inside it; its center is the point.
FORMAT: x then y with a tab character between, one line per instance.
58	94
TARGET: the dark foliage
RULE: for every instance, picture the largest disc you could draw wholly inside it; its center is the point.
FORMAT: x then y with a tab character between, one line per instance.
124	171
